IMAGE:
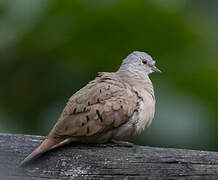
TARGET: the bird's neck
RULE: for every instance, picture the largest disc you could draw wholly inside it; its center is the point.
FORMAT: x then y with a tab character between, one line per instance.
137	81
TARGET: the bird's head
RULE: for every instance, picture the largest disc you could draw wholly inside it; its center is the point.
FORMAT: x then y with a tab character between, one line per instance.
139	62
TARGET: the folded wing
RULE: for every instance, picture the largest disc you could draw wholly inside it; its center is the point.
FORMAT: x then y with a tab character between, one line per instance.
104	103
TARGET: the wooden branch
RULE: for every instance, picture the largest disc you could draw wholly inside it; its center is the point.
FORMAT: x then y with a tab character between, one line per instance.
106	161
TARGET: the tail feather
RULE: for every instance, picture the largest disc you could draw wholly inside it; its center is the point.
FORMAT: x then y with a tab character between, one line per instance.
46	145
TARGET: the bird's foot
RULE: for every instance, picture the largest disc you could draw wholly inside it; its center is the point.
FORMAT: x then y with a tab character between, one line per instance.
122	143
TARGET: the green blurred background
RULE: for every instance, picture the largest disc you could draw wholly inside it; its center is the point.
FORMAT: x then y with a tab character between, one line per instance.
49	49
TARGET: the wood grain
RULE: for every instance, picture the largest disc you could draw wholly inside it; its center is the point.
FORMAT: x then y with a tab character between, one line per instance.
104	161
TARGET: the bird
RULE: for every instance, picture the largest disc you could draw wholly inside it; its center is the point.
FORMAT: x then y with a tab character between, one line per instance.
110	108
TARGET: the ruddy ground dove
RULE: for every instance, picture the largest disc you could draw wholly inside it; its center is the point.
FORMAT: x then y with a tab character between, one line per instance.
114	106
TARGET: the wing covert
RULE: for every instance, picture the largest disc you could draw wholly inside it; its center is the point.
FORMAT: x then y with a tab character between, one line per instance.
104	103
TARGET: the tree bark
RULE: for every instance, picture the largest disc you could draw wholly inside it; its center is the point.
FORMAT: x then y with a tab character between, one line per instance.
103	161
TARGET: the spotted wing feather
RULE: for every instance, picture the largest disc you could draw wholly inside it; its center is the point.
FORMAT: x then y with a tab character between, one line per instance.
104	103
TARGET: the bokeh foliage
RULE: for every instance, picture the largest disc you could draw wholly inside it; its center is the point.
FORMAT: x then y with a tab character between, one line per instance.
50	49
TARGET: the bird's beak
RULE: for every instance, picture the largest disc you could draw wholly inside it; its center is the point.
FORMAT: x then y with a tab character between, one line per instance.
155	69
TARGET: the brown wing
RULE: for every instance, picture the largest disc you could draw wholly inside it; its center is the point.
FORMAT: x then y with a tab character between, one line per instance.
104	103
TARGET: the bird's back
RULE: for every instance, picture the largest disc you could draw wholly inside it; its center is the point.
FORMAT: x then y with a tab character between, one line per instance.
102	105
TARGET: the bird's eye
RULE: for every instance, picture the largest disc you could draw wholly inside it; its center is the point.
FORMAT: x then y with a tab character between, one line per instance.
144	61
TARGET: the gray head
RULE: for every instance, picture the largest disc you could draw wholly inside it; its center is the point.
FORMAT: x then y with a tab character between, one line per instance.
140	63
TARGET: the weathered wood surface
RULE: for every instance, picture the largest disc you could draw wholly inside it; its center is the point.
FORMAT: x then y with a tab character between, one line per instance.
107	161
